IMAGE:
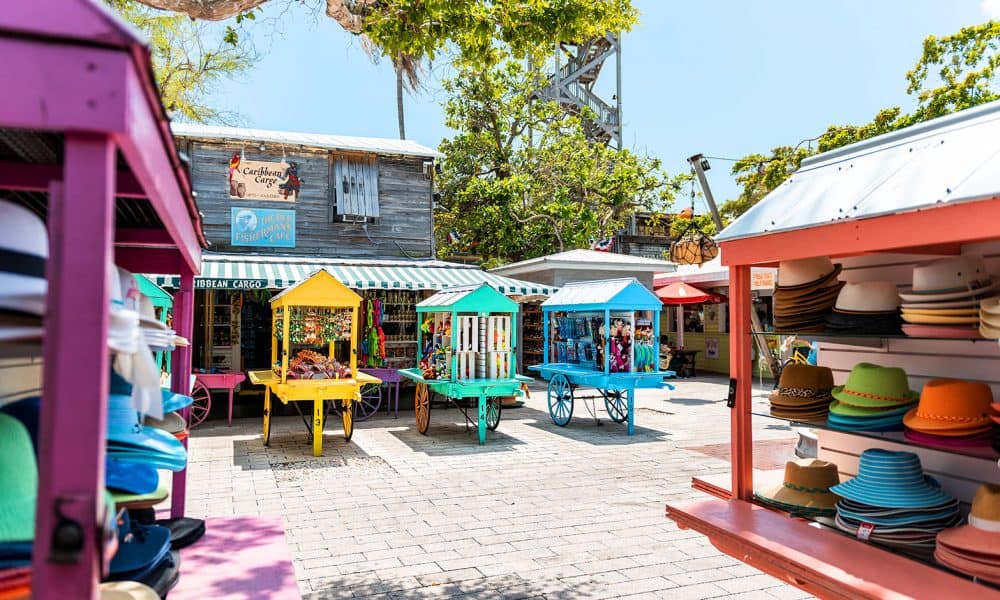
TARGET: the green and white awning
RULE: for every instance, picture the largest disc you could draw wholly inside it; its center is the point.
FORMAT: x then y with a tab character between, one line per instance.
255	272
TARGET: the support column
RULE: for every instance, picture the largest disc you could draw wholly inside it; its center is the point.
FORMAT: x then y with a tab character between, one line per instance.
482	419
75	380
180	375
740	369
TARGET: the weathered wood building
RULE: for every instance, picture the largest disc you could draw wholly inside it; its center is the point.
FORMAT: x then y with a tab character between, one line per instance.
323	195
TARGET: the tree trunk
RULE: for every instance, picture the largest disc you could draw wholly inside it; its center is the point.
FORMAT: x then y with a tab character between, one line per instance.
399	100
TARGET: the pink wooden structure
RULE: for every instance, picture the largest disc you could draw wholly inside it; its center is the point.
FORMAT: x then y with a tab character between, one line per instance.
87	144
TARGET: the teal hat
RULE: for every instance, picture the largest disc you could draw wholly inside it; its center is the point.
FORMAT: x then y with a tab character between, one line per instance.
891	480
173	402
18	482
846	410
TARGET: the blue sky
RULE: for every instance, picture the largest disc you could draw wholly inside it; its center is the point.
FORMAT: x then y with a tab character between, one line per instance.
724	78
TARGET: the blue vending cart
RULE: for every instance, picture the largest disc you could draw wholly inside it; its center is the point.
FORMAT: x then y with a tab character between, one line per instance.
604	335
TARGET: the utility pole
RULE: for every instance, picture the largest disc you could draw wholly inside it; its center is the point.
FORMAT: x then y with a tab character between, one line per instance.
700	164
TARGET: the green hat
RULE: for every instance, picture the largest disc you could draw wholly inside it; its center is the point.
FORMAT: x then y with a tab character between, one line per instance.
872	386
18	482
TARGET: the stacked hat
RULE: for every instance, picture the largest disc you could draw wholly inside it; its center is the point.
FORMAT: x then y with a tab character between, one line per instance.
874	398
144	555
806	290
974	549
128	441
156	333
868	307
24	249
951	414
803	393
804	490
944	299
15	583
18	493
892	502
989	318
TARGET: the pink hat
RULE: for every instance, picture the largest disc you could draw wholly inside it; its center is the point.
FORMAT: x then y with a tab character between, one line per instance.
979	541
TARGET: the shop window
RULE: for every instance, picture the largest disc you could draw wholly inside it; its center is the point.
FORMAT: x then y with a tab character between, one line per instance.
355	185
694	319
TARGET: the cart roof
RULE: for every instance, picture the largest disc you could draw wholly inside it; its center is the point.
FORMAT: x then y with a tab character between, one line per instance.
319	289
156	294
615	294
469	298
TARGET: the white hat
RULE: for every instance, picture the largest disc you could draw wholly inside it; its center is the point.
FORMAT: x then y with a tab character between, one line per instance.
24	249
868	296
949	279
805	271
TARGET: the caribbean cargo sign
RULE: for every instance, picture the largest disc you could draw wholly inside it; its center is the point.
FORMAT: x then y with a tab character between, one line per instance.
260	180
263	227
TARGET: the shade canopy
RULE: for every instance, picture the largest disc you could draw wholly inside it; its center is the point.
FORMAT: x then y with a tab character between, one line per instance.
685	293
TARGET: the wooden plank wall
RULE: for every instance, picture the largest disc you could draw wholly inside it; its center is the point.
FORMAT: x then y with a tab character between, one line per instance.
403	229
20	378
923	360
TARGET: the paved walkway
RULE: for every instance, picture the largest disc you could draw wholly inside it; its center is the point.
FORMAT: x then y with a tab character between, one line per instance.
538	512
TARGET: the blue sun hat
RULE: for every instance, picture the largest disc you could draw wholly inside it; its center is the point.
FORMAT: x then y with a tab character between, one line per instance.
141	548
131	442
891	480
130	477
173	402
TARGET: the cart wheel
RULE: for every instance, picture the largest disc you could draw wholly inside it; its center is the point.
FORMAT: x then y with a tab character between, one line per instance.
492	413
371	400
201	406
616	401
560	400
346	414
422	407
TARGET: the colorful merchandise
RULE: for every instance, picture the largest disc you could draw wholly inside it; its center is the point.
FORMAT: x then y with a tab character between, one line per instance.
974	549
803	393
952	409
806	291
868	308
804	490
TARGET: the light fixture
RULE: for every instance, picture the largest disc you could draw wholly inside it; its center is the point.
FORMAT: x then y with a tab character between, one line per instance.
704	164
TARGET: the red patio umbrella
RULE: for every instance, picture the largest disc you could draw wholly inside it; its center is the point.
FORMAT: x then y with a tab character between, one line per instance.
684	293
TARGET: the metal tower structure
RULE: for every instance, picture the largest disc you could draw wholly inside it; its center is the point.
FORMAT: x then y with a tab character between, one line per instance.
572	84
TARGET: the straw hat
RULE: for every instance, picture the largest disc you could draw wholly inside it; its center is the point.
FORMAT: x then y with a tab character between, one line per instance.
18	482
874	386
24	249
806	484
949	279
127	590
868	297
951	404
891	480
806	272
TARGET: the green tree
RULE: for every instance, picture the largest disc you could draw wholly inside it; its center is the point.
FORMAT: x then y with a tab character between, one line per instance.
521	179
953	73
188	59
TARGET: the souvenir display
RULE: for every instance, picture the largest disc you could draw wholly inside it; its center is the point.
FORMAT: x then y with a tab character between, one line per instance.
869	308
974	548
944	298
803	393
325	312
807	289
951	413
989	318
467	344
22	280
804	490
874	398
601	334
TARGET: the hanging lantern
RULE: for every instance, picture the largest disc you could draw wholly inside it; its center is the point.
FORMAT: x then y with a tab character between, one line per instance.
693	249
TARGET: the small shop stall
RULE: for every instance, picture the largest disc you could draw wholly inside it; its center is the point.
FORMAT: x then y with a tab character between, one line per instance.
682	294
887	257
467	343
162	303
316	327
601	334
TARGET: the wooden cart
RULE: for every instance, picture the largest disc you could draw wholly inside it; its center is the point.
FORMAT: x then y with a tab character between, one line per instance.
467	345
317	312
605	335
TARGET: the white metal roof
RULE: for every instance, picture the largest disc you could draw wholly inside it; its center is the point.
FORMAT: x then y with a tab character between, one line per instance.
587	259
449	296
951	159
589	292
310	140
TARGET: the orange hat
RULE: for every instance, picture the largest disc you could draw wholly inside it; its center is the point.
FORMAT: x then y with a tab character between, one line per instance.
951	405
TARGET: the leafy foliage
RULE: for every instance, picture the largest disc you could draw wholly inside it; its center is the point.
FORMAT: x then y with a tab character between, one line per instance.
954	72
521	178
188	60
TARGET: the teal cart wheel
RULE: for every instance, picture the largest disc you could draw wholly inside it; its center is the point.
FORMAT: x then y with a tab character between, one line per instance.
560	400
616	402
492	413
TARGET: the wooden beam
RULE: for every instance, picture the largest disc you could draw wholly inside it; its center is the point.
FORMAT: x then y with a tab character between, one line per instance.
30	177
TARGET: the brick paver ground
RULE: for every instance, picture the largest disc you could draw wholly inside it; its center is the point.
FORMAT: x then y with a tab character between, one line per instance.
538	512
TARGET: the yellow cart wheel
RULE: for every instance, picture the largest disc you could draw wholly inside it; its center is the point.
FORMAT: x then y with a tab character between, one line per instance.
267	416
347	414
422	407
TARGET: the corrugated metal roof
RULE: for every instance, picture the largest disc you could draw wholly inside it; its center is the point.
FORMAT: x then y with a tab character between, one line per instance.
311	140
951	159
582	258
616	293
450	296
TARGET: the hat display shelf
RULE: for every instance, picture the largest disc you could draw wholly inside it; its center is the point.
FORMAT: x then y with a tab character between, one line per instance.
467	349
315	325
601	334
905	197
88	148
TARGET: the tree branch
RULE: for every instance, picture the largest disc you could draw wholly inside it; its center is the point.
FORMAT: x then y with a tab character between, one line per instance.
549	218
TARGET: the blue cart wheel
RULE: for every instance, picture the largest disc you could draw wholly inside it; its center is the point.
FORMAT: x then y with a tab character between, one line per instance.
616	402
492	413
560	400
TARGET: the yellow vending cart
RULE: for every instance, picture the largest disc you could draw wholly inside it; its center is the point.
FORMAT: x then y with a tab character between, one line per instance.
315	325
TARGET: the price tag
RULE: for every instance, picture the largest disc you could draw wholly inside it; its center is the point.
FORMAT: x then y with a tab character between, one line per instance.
865	531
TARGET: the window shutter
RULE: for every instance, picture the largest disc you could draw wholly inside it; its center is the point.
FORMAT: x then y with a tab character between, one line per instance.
356	182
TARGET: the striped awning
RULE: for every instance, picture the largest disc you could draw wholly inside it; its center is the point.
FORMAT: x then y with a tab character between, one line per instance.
249	273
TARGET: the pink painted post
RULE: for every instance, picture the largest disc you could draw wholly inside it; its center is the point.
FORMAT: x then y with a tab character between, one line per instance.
75	381
180	376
